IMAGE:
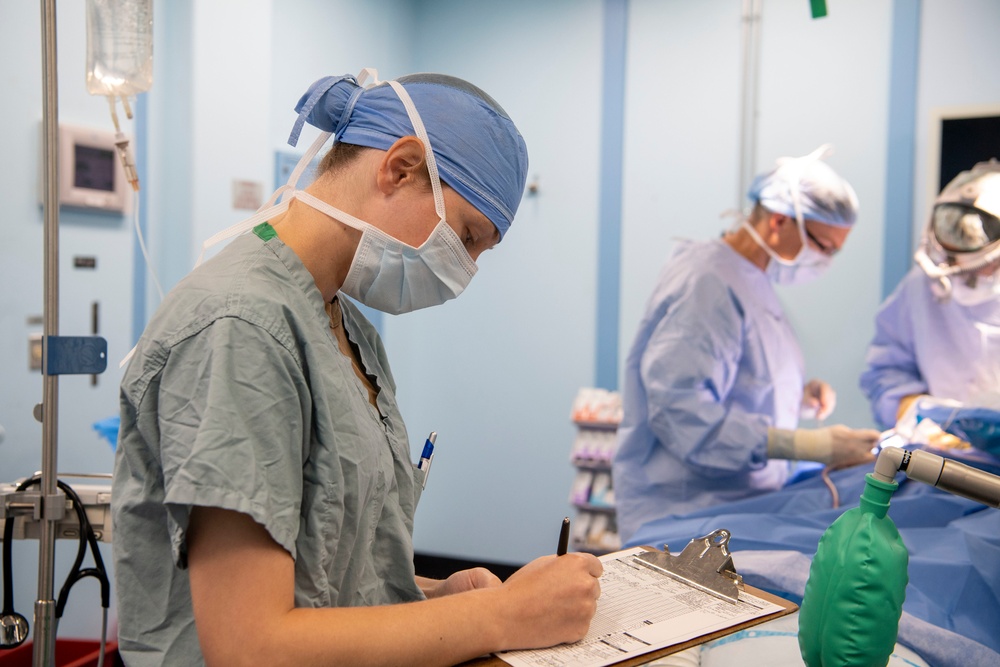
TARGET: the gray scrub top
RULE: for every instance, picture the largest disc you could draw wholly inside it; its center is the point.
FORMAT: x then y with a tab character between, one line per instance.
238	398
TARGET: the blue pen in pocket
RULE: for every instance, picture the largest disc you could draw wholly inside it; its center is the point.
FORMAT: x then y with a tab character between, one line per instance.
426	457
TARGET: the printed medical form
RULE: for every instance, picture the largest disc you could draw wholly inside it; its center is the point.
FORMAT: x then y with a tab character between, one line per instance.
640	611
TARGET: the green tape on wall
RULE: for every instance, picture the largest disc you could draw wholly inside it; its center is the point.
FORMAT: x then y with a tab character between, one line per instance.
818	8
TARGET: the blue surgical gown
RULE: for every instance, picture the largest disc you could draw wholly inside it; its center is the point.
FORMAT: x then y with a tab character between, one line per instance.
714	364
926	346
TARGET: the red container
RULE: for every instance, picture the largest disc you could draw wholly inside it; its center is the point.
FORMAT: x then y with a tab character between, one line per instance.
69	653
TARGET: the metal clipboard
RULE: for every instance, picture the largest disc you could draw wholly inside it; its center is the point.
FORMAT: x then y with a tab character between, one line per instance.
705	563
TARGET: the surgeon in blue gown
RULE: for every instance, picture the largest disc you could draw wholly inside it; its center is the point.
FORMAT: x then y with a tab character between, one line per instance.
715	380
938	333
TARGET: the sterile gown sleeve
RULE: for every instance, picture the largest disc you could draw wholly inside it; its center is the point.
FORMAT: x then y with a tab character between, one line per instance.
892	369
689	368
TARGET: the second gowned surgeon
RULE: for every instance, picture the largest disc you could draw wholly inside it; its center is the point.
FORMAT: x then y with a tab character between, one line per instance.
715	380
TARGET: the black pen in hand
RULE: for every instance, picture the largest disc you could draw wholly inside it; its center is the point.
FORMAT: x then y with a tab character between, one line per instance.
563	538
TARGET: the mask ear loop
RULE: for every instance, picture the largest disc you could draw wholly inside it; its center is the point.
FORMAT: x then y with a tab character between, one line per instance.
303	163
267	211
269	208
293	138
421	132
799	223
821	152
288	191
800	220
432	170
305	160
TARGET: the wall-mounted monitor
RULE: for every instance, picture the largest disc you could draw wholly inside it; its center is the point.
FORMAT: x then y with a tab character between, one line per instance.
959	137
90	173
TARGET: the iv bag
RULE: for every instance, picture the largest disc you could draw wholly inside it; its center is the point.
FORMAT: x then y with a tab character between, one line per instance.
119	47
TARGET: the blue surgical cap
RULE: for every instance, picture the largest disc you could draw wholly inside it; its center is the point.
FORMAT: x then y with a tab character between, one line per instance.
824	196
478	150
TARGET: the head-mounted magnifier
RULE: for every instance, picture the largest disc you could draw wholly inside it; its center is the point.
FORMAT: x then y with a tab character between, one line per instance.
961	228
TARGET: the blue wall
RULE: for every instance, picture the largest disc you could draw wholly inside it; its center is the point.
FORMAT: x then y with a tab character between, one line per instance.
495	371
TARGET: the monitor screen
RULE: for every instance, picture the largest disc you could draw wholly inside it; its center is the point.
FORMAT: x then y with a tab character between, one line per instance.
966	141
94	168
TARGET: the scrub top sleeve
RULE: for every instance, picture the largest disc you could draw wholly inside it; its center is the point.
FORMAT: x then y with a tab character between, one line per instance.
892	370
234	411
688	369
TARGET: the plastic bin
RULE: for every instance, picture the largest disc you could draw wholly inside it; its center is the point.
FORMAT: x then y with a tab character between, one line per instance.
69	653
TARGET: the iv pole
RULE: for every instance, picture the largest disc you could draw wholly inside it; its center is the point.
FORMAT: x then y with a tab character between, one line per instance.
52	501
61	355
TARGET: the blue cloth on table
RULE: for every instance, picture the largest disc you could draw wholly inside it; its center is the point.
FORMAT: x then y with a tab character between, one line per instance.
978	426
954	543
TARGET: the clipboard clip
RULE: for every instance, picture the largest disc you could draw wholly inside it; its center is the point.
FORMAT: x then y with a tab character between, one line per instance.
705	563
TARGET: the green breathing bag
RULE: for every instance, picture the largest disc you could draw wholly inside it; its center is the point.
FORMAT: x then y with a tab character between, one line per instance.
853	599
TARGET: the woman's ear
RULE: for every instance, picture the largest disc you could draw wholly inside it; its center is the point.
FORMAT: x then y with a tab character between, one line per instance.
402	165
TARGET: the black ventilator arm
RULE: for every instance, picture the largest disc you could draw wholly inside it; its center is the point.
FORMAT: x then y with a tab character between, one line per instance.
945	474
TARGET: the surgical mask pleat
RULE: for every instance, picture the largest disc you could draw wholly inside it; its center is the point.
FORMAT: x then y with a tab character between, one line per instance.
395	278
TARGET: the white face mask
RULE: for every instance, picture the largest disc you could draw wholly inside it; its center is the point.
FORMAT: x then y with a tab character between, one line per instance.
807	265
391	276
385	274
396	278
987	289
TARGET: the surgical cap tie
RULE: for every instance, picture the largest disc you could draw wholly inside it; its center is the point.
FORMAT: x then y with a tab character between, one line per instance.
317	94
271	207
346	115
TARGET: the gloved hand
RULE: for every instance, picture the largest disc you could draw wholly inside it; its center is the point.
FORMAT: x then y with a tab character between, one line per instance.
836	445
818	400
905	404
944	440
851	446
945	423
